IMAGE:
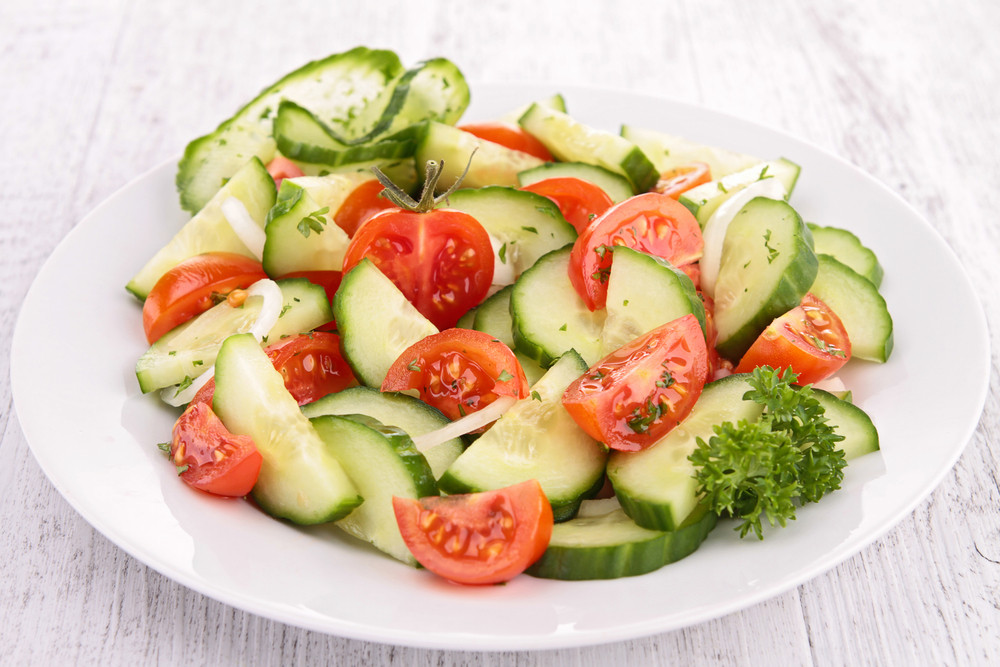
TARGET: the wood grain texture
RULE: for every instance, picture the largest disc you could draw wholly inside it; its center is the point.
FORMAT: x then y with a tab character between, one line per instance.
99	91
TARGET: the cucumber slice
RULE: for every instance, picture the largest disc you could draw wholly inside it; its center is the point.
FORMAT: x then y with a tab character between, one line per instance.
669	151
767	267
549	317
645	292
847	249
382	462
376	322
535	439
492	163
704	199
209	231
493	317
291	244
614	185
850	421
526	224
187	351
602	542
571	141
350	89
402	172
555	101
393	409
859	306
435	90
656	486
300	479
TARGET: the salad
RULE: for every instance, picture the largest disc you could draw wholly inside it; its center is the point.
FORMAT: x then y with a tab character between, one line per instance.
489	348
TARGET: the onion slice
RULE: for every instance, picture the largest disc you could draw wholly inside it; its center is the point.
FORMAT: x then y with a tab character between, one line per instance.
503	269
466	424
177	398
832	384
714	233
243	225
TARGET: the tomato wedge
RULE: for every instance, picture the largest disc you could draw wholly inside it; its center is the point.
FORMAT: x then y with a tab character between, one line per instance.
194	286
718	366
650	222
477	538
810	339
679	180
579	201
458	371
209	457
638	393
359	206
510	136
281	168
311	365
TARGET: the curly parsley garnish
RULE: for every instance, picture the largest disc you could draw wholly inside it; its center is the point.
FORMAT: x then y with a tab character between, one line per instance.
761	469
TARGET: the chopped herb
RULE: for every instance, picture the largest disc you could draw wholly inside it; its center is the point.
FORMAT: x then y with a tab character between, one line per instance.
502	254
172	353
184	384
182	469
722	188
314	222
530	229
164	446
644	416
562	328
764	174
504	376
285	309
413	366
536	396
772	253
823	346
197	362
625	302
666	380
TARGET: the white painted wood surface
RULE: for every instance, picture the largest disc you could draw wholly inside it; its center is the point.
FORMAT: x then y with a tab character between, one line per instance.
97	91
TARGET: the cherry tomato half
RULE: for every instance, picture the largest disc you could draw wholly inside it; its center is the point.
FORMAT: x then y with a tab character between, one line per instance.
458	371
810	339
477	538
679	180
194	286
649	222
579	201
211	458
281	168
718	366
311	365
638	393
359	206
441	260
510	136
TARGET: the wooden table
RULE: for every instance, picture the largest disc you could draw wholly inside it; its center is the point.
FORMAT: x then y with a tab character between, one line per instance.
97	91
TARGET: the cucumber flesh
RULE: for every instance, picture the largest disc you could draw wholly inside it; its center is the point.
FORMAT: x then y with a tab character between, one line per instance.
382	462
704	199
669	151
860	307
535	439
492	164
614	185
300	479
767	267
847	249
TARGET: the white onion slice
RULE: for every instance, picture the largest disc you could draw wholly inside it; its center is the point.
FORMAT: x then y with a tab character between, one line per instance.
171	396
503	269
270	309
832	384
243	225
715	229
466	424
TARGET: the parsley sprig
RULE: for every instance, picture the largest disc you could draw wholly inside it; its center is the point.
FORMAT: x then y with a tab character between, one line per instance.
764	469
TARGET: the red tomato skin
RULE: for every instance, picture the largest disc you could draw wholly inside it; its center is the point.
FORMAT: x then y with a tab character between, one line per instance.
794	341
185	291
679	180
359	206
442	260
579	201
510	136
499	533
668	363
718	366
649	222
281	168
311	365
218	462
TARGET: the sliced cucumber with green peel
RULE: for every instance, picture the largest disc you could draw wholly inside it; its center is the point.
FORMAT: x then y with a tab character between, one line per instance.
493	317
300	478
571	141
382	462
668	151
492	164
859	306
704	199
645	292
555	101
301	234
847	249
528	225
549	317
410	414
656	486
208	230
767	266
349	90
376	322
304	306
614	185
602	542
535	439
850	421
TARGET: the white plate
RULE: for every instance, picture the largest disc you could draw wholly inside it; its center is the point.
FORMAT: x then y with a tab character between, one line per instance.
95	436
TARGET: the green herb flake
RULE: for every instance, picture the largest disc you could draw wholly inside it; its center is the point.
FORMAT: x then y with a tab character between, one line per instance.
562	328
535	396
502	253
314	222
531	230
413	366
504	376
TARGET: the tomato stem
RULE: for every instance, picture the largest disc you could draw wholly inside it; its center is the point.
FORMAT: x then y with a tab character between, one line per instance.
427	201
